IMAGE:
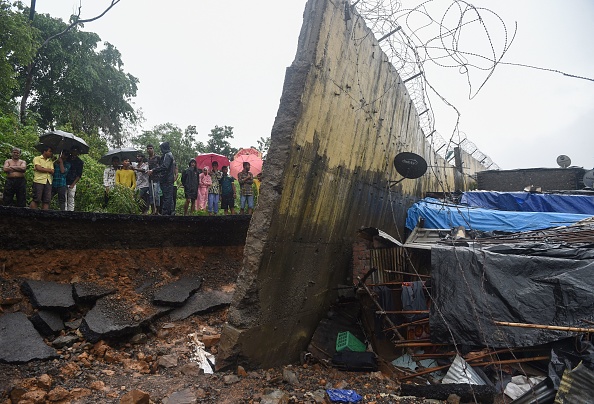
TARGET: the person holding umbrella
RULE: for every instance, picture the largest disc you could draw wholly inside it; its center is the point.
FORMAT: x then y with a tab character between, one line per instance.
73	176
61	168
43	174
166	172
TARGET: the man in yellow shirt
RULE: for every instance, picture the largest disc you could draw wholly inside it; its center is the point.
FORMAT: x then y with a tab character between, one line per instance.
126	176
43	173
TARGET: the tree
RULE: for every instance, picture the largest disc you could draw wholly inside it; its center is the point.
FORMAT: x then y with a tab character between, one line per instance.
183	144
264	145
17	47
218	141
70	81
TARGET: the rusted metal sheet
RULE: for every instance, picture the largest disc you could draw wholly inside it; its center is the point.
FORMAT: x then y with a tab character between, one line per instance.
388	260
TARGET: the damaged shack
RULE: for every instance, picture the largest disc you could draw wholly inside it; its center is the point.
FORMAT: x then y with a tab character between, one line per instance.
491	292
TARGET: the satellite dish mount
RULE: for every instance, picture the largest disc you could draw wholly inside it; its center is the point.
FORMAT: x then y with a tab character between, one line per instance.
409	165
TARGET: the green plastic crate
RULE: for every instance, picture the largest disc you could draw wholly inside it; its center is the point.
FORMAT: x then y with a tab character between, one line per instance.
347	341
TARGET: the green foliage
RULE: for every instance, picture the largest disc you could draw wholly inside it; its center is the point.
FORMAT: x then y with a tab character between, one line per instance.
263	146
218	142
89	189
183	144
123	200
17	48
75	83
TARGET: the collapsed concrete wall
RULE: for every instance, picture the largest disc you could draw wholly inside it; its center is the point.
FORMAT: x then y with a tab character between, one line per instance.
344	115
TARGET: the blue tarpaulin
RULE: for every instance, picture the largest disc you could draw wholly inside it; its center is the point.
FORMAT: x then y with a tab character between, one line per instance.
530	202
441	215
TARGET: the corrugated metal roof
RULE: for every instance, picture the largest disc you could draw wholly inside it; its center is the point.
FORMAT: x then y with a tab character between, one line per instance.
577	386
462	372
543	393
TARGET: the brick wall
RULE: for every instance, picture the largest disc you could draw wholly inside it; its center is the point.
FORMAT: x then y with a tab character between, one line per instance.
361	259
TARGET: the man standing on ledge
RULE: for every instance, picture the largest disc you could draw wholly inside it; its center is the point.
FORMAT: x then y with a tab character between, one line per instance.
246	193
43	175
15	180
166	172
73	176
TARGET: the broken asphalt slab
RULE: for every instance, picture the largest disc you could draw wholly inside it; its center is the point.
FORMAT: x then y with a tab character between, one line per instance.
47	322
176	293
20	342
49	295
113	317
201	302
87	292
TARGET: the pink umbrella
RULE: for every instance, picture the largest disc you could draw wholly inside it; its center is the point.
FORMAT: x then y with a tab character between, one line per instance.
249	150
237	164
206	159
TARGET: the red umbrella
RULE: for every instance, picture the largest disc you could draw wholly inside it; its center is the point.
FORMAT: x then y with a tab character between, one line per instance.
237	164
206	159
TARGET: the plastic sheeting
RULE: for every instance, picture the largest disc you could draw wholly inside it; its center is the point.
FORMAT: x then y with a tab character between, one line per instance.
441	215
530	202
534	284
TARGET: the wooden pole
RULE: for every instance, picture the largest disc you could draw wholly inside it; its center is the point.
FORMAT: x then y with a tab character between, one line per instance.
402	312
418	322
519	360
408	273
545	327
397	344
509	361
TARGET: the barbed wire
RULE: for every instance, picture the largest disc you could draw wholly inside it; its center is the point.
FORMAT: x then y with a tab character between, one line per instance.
437	33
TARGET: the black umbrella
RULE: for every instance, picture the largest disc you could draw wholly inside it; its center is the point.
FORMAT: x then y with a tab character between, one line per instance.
129	153
60	140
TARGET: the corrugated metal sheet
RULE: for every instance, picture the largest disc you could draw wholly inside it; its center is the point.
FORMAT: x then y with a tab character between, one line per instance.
462	372
386	260
577	386
542	393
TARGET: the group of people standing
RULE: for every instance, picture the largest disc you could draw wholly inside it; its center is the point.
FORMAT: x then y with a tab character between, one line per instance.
205	188
50	178
154	178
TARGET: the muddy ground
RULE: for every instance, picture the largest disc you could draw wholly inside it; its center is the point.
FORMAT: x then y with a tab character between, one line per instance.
136	255
157	360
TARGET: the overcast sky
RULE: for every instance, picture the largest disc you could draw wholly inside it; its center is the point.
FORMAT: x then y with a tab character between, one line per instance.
222	62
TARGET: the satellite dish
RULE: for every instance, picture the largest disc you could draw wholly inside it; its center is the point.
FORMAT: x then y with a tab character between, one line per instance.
409	165
589	179
563	161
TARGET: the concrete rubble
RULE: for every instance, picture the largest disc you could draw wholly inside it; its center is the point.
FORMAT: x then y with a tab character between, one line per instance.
20	342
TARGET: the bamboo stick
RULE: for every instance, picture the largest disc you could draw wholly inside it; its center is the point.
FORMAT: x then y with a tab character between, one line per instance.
402	312
418	322
434	355
364	286
504	362
545	327
425	371
416	344
469	358
408	273
519	360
